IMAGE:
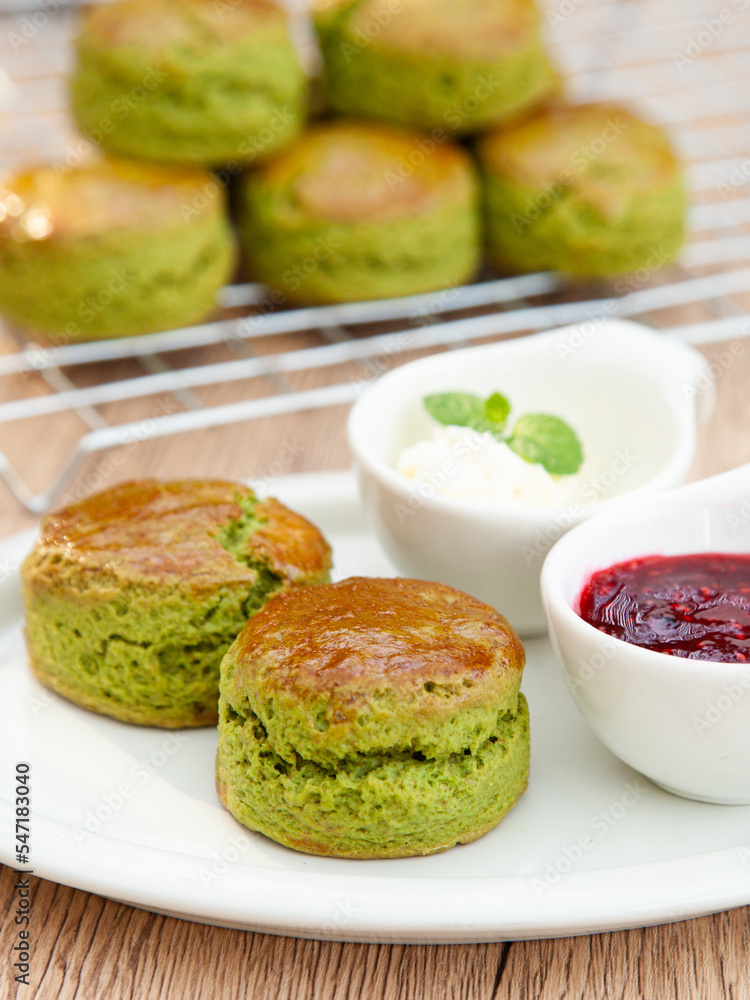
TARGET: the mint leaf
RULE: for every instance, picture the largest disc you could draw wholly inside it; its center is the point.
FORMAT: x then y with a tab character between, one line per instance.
549	441
459	409
496	410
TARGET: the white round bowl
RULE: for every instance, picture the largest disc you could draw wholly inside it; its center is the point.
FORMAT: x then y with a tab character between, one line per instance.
683	723
629	392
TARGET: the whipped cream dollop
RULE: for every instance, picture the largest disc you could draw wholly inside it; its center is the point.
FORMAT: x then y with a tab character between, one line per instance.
472	465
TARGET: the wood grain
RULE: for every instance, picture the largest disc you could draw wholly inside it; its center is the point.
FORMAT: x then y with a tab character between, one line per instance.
88	948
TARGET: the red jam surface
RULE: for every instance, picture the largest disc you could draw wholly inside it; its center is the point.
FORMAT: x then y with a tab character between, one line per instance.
696	606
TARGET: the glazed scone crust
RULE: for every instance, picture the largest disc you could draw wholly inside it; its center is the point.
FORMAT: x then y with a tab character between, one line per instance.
373	718
132	596
357	172
121	248
457	65
196	26
539	148
188	81
103	197
398	665
589	189
355	211
168	533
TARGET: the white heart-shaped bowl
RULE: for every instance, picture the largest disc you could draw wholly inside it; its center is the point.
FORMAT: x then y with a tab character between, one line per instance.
683	723
631	394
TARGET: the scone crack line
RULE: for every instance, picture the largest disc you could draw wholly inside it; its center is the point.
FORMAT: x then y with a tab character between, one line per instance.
234	537
358	762
235	532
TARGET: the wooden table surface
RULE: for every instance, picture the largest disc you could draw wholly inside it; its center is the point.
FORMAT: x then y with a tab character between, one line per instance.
86	947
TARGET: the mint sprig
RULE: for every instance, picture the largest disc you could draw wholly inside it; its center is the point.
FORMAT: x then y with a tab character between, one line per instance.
551	442
537	437
459	409
496	410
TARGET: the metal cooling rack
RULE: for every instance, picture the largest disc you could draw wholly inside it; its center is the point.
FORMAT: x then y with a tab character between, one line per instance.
676	62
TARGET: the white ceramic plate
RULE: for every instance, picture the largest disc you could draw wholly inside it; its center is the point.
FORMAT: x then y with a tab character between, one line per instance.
131	813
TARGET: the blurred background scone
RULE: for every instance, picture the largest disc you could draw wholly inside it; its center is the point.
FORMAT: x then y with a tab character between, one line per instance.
112	248
457	65
373	718
589	189
188	81
133	595
355	211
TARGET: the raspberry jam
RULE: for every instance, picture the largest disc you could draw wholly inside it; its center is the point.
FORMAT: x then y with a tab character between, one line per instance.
696	606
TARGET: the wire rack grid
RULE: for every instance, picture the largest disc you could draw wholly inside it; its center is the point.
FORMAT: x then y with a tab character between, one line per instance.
684	65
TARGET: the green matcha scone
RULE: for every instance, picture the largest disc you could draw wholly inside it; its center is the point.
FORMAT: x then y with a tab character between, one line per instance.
134	594
589	189
354	211
373	718
112	248
457	65
188	81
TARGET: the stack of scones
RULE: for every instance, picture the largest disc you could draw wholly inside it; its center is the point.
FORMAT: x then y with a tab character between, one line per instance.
434	129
